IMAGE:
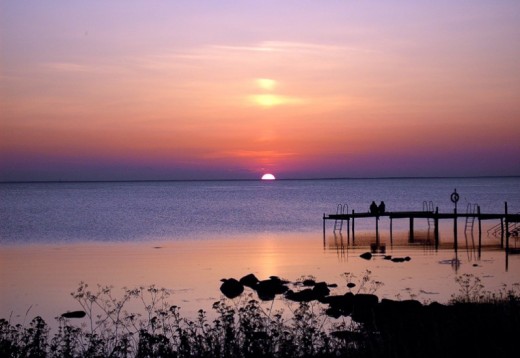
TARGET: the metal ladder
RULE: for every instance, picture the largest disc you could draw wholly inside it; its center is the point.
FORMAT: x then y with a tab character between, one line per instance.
496	230
470	220
340	210
427	207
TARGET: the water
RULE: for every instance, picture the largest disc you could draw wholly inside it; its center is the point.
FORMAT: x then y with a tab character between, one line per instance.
147	211
186	236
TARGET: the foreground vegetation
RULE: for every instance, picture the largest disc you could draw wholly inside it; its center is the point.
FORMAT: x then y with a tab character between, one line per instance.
313	323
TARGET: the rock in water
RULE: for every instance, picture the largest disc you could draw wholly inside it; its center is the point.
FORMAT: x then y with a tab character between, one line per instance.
366	256
309	282
321	289
231	288
249	280
267	289
74	314
305	295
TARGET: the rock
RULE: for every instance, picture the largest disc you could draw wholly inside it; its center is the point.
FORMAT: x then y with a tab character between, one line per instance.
305	295
366	256
249	280
268	289
279	285
333	312
391	312
401	306
231	288
339	305
321	290
74	314
363	308
309	282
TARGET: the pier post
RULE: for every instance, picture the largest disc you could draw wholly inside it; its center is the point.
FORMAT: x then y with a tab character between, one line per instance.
324	230
348	232
391	235
507	229
479	232
353	229
455	241
377	231
436	227
501	233
411	229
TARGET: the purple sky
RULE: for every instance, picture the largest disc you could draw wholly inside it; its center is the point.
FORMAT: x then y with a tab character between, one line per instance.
122	90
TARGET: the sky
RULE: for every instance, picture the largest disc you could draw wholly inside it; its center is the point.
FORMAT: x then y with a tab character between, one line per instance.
174	90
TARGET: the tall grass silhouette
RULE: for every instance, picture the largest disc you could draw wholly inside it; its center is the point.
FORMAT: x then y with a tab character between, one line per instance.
311	323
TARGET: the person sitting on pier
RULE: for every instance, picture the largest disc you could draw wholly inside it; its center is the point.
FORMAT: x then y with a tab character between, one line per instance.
382	208
373	208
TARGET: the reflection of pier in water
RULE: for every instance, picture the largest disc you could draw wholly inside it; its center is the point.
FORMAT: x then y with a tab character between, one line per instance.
466	249
508	227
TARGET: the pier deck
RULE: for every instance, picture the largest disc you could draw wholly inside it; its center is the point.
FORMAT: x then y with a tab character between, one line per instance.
423	215
505	220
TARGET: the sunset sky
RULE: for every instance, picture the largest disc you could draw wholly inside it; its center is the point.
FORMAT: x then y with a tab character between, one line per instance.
123	90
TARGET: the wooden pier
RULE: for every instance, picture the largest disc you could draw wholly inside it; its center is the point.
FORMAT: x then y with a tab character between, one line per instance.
505	220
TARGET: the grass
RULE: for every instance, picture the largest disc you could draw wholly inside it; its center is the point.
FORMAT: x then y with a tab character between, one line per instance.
476	322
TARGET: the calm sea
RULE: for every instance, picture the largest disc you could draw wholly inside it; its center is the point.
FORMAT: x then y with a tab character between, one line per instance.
143	211
186	236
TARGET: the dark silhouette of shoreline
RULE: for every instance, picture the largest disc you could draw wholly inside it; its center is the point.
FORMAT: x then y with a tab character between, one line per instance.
356	323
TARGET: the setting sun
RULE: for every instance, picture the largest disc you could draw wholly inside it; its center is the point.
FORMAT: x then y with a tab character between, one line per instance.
272	100
268	100
268	177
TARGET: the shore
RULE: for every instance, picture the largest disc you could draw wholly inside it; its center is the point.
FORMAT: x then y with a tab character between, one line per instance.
247	323
38	279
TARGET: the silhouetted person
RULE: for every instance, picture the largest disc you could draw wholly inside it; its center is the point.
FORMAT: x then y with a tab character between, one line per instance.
373	208
382	208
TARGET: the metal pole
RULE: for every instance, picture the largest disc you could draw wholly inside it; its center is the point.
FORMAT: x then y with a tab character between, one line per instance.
411	229
501	233
479	232
323	229
507	237
377	231
454	199
455	228
353	234
348	231
436	227
507	229
391	235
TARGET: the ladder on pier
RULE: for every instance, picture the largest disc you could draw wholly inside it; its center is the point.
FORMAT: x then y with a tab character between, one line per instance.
340	210
470	220
496	230
427	207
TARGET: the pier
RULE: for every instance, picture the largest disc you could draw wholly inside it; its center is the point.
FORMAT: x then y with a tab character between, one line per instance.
509	223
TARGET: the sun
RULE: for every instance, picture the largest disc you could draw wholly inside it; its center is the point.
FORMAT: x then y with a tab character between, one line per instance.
268	100
268	177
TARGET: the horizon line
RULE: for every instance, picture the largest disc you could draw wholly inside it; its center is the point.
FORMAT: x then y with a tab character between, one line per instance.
235	180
